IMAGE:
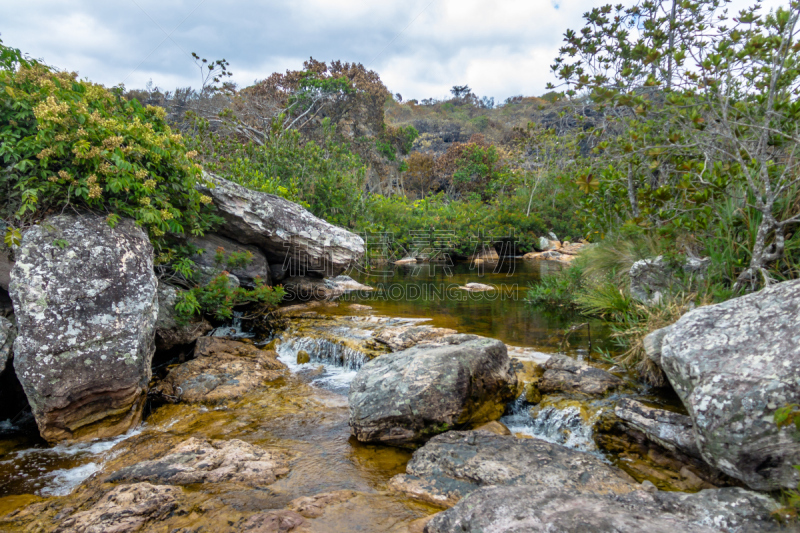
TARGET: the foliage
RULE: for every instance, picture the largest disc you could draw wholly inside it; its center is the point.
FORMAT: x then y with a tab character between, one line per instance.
557	290
218	299
785	416
66	142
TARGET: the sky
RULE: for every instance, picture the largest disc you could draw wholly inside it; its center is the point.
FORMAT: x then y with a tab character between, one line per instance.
420	48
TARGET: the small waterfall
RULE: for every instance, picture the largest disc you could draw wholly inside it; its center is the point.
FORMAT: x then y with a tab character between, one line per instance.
232	330
323	351
567	426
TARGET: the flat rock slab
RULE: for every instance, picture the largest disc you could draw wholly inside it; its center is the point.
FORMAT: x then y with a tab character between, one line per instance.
565	374
86	306
210	461
222	369
477	287
125	509
404	337
733	364
454	464
533	508
404	398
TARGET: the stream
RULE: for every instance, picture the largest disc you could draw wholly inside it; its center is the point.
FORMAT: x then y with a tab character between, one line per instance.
307	415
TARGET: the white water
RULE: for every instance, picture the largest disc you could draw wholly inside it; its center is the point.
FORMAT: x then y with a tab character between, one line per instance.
560	426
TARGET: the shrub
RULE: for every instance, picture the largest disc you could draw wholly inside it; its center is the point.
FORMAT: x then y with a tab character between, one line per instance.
67	142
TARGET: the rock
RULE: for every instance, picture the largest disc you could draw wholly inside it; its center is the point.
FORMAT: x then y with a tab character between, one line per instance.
670	430
733	364
282	229
359	307
552	237
278	271
531	508
652	344
169	332
550	255
565	374
7	335
220	254
6	265
210	461
404	398
314	506
272	522
544	244
651	280
404	337
86	308
488	255
408	260
222	369
303	357
454	464
347	284
476	287
125	509
305	288
203	275
498	428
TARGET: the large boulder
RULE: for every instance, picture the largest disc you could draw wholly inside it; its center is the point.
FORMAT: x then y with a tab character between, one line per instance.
452	465
86	307
171	331
406	397
220	254
733	364
7	335
534	508
565	374
283	229
6	265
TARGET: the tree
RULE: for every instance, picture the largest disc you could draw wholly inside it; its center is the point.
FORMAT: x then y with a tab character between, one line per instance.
460	91
694	106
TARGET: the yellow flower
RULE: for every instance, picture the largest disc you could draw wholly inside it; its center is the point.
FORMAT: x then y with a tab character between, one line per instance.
191	155
205	199
150	184
166	215
64	174
95	191
145	201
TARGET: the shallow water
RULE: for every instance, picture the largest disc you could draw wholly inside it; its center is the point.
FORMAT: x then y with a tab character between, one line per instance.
307	414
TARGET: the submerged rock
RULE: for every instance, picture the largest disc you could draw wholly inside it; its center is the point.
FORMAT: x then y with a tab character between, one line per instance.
534	508
283	229
272	522
565	374
125	509
404	398
477	287
454	464
210	461
86	308
733	364
222	369
220	254
170	332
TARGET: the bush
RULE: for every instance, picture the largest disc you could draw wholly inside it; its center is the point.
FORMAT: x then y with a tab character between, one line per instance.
66	142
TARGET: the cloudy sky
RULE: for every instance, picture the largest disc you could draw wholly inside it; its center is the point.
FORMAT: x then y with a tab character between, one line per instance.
421	48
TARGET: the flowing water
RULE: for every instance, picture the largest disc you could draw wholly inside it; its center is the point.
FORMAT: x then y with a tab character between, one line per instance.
307	414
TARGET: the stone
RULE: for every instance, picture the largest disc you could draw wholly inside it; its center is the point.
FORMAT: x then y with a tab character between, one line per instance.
170	332
651	279
544	244
533	508
6	265
565	374
406	261
406	397
86	307
403	337
7	335
452	465
670	430
222	369
278	271
283	229
652	344
210	461
203	275
552	236
125	509
550	255
733	365
247	264
498	428
272	522
347	284
314	506
477	287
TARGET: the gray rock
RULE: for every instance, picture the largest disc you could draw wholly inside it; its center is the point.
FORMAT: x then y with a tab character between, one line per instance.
86	307
565	374
652	344
214	245
277	272
407	397
403	337
651	279
454	464
125	509
346	284
533	508
7	335
210	461
733	364
282	229
170	332
203	275
5	268
671	430
553	236
545	244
